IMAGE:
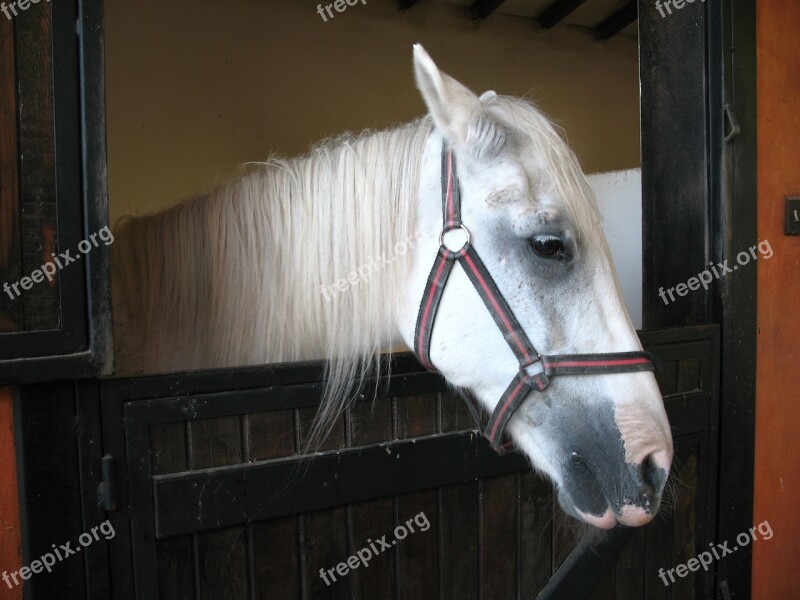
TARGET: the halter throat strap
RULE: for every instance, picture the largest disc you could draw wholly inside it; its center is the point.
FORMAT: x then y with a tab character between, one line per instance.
535	370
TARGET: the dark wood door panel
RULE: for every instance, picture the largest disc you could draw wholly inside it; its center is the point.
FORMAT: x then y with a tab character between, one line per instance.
221	472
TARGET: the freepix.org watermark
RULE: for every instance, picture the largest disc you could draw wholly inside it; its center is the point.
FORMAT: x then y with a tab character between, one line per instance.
704	559
11	10
365	271
339	6
373	549
719	270
676	4
49	269
49	559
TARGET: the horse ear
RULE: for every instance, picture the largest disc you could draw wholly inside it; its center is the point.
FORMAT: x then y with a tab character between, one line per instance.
457	113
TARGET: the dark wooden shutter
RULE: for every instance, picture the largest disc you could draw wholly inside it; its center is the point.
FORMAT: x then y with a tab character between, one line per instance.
52	193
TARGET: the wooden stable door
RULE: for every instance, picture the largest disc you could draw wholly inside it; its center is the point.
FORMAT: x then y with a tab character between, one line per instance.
183	464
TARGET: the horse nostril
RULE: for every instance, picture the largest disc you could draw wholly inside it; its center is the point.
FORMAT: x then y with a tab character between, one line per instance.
653	476
579	465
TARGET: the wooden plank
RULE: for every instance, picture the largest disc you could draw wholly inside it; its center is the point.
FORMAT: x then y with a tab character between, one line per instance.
630	567
168	454
498	535
221	565
220	556
605	589
408	377
274	575
324	534
417	554
667	377
11	313
275	559
333	478
455	414
536	541
369	522
325	547
673	62
565	535
176	568
215	442
684	541
689	374
269	435
371	423
748	323
37	184
459	516
45	419
458	530
416	415
659	555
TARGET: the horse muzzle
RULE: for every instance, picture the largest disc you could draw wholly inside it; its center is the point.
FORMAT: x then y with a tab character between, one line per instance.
603	485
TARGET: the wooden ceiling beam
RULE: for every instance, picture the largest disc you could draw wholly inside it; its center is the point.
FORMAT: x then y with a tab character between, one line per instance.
556	12
483	8
617	21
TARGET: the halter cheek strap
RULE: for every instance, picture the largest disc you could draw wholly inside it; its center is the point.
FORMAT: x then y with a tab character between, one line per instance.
535	370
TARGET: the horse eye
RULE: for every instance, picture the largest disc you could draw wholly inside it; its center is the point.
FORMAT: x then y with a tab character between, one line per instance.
547	246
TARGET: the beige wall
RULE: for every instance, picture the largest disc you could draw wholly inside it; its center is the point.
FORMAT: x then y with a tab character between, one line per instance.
195	87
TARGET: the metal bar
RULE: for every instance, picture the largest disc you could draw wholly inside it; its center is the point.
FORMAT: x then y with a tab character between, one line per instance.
483	8
617	21
588	561
556	12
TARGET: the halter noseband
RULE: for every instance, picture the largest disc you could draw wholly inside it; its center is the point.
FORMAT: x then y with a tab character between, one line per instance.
535	370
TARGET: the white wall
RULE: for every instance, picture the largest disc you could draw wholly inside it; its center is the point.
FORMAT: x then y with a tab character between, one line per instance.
619	198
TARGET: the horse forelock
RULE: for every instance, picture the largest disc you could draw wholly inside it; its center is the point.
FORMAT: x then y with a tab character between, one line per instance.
560	167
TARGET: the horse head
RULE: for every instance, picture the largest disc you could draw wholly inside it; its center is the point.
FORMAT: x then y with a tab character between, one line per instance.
527	210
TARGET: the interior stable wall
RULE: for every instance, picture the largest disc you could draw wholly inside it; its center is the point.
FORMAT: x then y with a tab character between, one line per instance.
197	87
777	476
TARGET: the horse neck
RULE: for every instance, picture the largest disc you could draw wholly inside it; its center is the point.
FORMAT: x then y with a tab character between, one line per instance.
373	238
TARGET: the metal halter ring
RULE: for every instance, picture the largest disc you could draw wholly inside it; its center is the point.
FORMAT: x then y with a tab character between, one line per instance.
444	232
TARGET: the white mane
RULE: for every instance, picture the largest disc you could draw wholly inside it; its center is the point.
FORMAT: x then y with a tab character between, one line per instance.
236	277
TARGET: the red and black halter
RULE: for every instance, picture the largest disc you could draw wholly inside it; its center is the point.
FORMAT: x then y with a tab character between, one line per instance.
534	370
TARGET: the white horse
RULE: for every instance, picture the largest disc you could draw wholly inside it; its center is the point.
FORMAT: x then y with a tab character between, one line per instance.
328	255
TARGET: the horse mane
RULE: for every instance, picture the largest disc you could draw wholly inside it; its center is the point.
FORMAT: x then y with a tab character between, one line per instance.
247	273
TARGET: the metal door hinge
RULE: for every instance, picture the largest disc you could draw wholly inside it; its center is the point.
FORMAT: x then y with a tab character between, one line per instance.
107	488
731	126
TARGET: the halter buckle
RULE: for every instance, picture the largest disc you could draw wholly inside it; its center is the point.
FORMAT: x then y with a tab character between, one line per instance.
536	374
450	236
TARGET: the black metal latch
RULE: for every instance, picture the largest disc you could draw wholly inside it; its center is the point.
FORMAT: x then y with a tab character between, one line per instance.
733	129
107	488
